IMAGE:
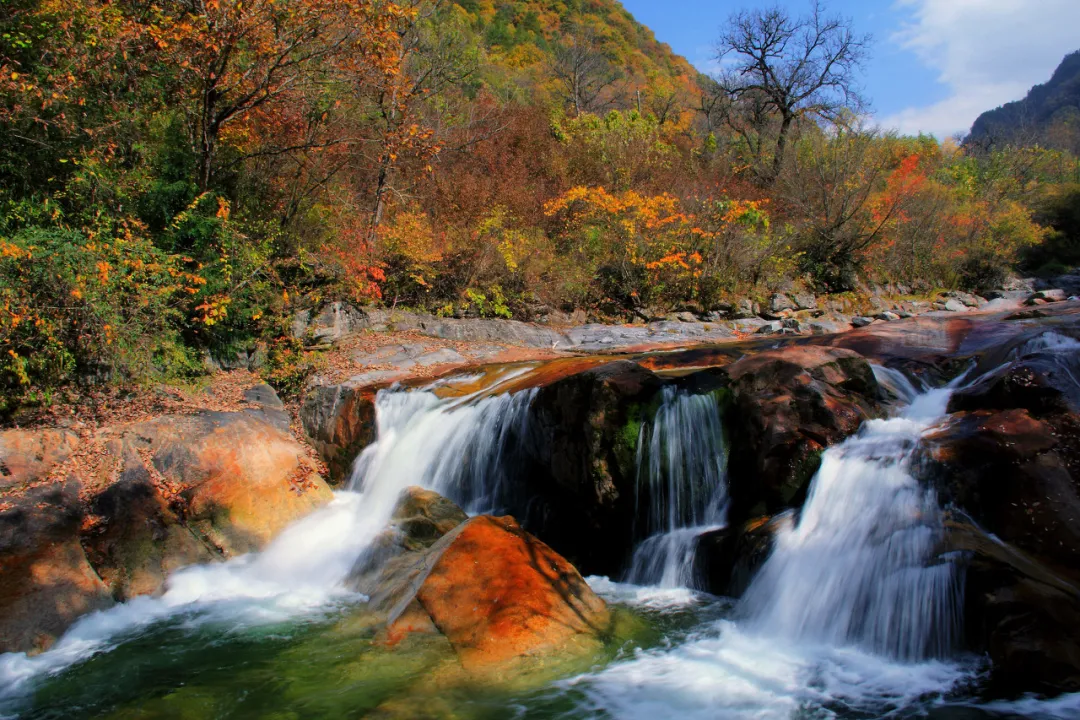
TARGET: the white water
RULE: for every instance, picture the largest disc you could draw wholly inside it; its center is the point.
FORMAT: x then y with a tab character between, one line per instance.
849	613
452	447
845	617
682	471
858	568
897	383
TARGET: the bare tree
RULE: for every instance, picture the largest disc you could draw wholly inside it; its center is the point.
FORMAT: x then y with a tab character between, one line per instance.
584	72
796	68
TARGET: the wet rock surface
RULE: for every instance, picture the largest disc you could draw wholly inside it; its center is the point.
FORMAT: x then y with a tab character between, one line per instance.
579	463
500	597
789	405
1009	462
107	517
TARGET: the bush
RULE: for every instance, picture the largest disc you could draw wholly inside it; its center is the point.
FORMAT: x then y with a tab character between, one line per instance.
74	307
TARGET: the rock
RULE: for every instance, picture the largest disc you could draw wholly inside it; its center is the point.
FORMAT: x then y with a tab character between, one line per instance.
749	325
142	537
1047	296
967	299
804	301
242	480
503	599
27	456
270	407
686	317
729	558
46	582
826	327
1015	475
779	302
746	308
1019	613
887	316
861	321
330	323
790	404
339	421
954	305
149	498
577	469
771	327
792	324
1037	383
1010	460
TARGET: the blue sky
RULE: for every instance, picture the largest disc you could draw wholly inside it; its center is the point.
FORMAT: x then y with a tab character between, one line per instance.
935	65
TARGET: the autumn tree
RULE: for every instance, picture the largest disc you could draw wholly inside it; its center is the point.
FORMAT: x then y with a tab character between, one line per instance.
237	59
796	67
433	54
831	186
584	73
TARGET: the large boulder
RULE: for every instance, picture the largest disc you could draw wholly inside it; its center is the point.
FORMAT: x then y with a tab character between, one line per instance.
1009	460
579	463
106	517
789	405
239	480
500	596
46	582
503	599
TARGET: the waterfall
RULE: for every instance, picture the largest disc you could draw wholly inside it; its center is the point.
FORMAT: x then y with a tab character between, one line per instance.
859	568
682	474
852	615
897	383
454	447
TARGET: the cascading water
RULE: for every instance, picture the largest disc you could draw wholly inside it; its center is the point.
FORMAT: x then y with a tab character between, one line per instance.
859	568
682	473
452	447
852	611
456	449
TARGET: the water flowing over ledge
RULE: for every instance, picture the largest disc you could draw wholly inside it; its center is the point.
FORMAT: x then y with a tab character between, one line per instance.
854	614
682	474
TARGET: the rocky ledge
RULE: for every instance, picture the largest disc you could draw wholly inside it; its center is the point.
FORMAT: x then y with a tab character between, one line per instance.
98	517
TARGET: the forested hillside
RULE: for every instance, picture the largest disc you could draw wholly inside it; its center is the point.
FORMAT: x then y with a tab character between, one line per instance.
1049	114
177	177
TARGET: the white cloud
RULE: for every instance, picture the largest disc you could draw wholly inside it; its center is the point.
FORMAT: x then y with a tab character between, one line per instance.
986	53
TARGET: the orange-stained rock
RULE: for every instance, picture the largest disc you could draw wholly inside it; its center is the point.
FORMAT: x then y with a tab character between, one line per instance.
499	595
27	456
135	503
242	480
46	582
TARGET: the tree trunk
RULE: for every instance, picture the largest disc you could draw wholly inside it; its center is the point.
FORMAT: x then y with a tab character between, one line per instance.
781	146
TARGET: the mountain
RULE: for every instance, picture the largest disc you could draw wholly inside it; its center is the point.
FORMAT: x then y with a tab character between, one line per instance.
522	35
1049	115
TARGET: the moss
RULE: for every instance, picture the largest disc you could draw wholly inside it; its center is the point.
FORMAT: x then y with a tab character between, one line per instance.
804	470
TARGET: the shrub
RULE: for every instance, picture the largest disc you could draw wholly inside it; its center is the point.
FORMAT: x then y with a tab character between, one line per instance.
79	307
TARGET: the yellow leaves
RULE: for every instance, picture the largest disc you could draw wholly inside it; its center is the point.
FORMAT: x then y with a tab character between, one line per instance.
103	271
222	209
214	310
77	294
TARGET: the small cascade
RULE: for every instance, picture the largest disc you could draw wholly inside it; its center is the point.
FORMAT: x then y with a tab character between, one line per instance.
859	567
682	474
897	383
456	449
453	447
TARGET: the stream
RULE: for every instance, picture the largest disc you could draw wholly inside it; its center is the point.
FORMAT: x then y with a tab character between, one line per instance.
851	616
